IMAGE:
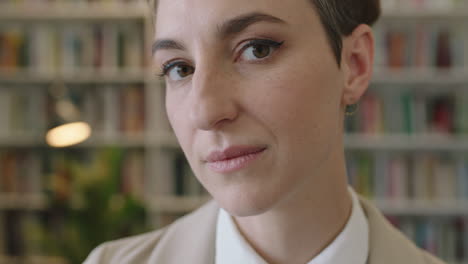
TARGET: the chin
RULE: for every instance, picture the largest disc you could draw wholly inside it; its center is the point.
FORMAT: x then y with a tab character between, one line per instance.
245	203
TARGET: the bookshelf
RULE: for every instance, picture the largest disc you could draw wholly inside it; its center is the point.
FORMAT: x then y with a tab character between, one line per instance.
407	146
98	51
124	103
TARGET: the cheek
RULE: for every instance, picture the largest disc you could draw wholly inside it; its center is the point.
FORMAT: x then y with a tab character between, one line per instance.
300	107
298	99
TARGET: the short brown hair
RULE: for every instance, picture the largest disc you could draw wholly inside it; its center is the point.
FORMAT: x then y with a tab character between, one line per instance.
338	17
341	17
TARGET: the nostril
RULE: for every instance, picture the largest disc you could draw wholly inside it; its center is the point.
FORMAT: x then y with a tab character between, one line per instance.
211	112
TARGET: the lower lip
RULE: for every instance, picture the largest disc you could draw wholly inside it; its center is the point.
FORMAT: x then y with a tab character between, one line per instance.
235	164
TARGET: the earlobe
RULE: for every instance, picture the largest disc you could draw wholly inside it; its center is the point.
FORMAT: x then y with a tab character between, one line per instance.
358	57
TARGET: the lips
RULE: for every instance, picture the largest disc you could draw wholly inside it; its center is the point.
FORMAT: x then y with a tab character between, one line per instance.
234	158
234	152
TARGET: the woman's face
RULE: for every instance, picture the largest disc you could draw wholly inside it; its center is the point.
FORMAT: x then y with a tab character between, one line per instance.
256	73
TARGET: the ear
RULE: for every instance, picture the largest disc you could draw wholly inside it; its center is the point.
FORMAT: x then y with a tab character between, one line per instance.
357	63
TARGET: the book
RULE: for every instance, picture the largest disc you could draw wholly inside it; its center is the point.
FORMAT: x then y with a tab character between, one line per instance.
132	45
397	49
12	43
461	112
132	110
399	110
70	48
419	177
462	178
443	237
397	187
132	175
419	46
2	234
95	111
111	111
5	111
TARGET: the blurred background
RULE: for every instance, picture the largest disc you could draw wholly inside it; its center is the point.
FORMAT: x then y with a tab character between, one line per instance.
87	154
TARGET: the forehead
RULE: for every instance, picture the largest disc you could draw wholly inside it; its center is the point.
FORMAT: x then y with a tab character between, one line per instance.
178	18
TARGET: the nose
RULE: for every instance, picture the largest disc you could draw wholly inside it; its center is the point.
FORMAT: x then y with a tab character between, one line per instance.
213	99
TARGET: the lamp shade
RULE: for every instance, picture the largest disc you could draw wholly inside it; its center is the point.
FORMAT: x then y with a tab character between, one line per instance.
68	134
66	127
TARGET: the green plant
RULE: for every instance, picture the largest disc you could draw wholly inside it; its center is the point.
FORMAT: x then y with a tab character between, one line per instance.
88	207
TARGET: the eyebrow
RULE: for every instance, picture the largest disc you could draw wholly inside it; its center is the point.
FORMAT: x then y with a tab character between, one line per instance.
228	29
242	22
166	44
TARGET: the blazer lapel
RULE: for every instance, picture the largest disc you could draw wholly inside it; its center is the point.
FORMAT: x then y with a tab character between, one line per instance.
190	240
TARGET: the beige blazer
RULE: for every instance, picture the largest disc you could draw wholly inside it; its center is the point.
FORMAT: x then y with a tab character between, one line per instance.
191	240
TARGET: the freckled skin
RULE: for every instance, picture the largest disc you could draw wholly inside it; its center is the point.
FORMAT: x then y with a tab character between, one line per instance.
292	103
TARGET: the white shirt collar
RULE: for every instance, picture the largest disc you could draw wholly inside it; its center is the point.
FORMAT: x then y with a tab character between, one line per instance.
351	246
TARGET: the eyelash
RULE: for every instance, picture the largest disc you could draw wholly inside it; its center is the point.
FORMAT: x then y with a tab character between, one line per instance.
166	67
254	42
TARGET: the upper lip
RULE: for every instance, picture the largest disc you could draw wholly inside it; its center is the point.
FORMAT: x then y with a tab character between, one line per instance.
233	152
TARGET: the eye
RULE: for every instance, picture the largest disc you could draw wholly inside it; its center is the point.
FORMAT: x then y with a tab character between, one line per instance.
259	49
177	71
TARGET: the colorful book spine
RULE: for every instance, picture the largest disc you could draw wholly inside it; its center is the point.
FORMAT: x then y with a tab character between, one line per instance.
20	172
419	46
427	177
132	110
443	237
70	48
400	111
133	175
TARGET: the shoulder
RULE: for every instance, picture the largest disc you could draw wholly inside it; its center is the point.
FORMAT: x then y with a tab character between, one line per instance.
142	248
134	248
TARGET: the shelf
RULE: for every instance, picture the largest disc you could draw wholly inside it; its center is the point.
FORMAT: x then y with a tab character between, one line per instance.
425	76
25	141
406	142
74	11
136	141
169	204
165	140
81	77
128	141
428	14
23	202
22	140
423	208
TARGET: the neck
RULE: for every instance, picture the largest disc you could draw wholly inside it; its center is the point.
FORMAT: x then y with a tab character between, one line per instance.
307	221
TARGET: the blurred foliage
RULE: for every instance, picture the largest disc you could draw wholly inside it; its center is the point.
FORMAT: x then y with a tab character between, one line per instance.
88	207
